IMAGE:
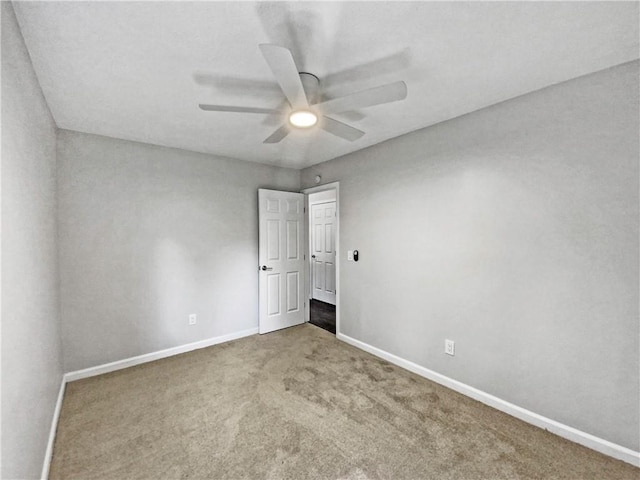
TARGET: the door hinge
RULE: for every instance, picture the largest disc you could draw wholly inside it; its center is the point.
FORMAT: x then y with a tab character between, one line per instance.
304	209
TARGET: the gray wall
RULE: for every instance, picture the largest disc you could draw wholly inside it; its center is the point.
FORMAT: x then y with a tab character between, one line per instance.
149	235
31	354
514	232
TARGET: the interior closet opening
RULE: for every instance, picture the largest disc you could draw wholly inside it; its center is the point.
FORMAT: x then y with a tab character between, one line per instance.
323	256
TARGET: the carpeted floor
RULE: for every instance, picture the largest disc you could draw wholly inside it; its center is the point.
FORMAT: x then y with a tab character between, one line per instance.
298	404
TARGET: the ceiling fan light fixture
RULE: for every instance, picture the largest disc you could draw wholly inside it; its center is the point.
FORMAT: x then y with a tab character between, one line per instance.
303	119
301	92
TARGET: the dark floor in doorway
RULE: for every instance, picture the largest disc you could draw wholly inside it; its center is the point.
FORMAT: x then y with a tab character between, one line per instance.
323	315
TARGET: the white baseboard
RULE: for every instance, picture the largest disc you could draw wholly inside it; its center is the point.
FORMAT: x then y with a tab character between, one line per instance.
52	432
150	357
565	431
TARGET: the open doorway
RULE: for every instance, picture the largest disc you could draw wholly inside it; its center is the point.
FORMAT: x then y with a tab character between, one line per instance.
322	266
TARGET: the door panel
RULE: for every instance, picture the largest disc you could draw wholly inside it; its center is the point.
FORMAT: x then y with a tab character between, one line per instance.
293	239
317	238
330	277
273	239
329	236
294	206
293	287
281	263
318	277
273	293
323	217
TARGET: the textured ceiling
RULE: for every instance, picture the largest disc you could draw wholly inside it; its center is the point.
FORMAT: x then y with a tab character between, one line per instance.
137	70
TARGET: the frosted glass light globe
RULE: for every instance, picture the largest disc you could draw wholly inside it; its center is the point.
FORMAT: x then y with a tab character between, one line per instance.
303	119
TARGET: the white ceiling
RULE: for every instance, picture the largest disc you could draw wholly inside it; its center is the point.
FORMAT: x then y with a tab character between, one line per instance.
137	70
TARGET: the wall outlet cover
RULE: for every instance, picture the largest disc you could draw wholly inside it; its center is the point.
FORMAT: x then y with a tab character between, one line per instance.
450	347
192	319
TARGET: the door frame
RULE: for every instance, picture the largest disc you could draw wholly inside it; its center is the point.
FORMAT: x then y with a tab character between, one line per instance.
307	265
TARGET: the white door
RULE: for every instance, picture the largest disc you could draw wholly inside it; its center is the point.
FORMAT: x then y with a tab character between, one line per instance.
323	254
281	259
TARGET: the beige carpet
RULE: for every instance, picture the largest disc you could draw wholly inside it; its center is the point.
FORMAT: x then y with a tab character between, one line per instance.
298	404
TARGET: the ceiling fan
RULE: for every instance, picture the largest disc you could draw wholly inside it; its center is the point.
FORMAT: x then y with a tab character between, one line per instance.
301	92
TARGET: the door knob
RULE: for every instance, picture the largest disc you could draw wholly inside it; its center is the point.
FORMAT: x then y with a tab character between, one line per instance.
264	267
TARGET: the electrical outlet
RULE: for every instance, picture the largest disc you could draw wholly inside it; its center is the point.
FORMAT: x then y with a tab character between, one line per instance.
350	255
450	347
192	319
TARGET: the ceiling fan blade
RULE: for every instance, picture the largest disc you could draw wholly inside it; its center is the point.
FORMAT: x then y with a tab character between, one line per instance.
340	129
275	119
391	92
231	108
284	69
278	135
